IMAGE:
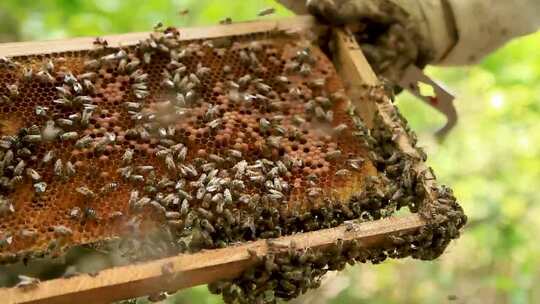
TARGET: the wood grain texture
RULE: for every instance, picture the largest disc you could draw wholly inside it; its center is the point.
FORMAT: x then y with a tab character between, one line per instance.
355	72
351	62
187	270
294	24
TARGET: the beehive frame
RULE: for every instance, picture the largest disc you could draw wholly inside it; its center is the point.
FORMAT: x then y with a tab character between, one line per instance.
188	270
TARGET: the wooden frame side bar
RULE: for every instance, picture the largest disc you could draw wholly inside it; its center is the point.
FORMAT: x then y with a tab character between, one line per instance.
354	68
355	71
187	270
288	25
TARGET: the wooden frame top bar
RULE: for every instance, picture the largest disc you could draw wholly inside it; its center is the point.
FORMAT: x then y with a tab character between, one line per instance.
293	24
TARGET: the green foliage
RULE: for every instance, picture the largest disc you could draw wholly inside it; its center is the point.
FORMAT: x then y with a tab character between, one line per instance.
491	160
49	19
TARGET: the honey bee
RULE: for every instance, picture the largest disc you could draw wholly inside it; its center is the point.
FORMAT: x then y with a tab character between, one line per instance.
6	207
101	43
108	188
85	192
266	12
62	231
27	283
69	136
40	187
227	20
13	90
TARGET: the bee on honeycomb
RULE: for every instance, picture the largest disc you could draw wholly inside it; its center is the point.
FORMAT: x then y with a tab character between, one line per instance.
186	145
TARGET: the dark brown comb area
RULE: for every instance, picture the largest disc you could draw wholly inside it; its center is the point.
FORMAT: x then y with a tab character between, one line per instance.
209	142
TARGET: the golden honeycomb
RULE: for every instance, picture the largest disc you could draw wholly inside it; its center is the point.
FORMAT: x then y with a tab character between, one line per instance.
235	138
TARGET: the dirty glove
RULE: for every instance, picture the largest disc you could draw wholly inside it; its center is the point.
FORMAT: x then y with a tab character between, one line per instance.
396	33
393	33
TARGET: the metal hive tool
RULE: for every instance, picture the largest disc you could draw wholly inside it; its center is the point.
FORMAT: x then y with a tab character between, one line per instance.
173	145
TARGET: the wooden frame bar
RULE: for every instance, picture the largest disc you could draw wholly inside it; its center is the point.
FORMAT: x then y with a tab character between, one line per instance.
355	71
295	24
187	270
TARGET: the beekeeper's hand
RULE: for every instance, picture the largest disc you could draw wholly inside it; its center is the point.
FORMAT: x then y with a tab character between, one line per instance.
393	33
396	33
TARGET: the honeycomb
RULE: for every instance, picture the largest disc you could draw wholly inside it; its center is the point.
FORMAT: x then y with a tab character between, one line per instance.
209	141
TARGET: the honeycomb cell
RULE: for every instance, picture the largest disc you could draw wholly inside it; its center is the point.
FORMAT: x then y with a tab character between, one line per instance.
183	130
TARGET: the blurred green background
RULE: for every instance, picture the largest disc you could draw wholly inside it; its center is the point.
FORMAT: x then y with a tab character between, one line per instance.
492	159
